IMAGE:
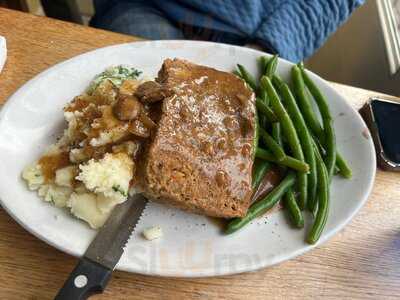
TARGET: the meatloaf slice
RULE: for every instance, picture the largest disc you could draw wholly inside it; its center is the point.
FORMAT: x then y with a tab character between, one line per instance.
200	158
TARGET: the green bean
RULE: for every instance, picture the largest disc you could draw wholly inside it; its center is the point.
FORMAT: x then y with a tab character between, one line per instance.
330	147
320	148
337	171
290	132
260	168
262	94
304	102
343	167
289	161
266	110
323	200
271	66
263	63
293	209
316	93
263	119
256	133
262	205
247	77
311	119
313	203
303	133
329	131
272	145
237	73
276	133
282	115
314	211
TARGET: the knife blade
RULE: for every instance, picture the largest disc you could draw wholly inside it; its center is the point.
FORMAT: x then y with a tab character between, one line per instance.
94	269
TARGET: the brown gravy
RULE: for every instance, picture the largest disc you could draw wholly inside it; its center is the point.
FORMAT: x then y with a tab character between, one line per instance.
51	163
270	180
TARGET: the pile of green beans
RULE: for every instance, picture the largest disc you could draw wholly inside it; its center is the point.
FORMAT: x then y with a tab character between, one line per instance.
310	117
288	130
290	135
304	137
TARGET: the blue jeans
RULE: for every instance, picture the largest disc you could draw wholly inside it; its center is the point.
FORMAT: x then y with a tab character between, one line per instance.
141	18
293	29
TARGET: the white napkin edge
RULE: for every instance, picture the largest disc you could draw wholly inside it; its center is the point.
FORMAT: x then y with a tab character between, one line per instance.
3	52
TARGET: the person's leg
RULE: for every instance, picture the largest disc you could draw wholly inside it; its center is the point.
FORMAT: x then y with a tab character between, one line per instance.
137	18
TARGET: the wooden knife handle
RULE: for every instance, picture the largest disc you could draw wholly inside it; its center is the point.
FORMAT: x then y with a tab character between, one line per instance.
86	279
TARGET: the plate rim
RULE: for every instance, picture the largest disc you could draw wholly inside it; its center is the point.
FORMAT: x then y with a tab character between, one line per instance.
206	272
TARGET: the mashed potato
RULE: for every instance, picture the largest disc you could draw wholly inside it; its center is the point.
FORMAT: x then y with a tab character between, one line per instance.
108	176
105	184
91	167
84	206
34	176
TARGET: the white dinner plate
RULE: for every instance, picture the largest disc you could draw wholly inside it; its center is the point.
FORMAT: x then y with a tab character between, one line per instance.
192	245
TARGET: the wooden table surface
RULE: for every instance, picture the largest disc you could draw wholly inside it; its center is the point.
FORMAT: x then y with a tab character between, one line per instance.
360	262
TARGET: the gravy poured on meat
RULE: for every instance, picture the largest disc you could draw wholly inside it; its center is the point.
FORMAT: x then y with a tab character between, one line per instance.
200	158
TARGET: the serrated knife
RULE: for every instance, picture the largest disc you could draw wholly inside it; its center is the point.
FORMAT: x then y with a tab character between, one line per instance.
94	269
